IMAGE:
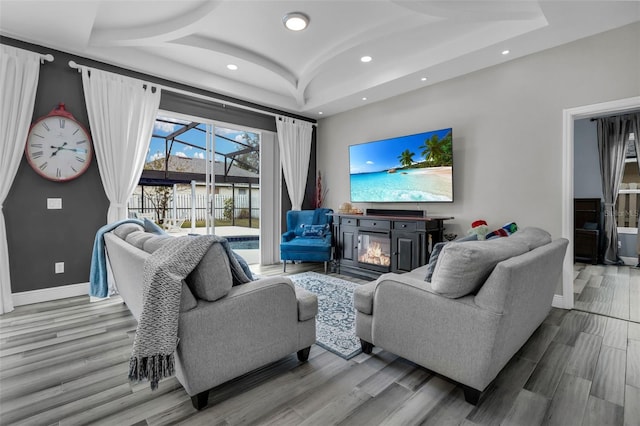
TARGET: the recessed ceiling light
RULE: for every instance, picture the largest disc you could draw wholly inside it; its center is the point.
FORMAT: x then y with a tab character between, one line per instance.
295	21
423	79
366	59
320	113
232	67
364	99
505	52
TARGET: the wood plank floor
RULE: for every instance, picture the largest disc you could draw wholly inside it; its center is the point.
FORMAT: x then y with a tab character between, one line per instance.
608	290
65	362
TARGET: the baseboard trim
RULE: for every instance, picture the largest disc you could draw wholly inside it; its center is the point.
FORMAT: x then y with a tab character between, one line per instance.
629	261
558	301
48	294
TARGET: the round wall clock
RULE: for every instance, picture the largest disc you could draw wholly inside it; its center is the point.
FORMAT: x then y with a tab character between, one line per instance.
58	146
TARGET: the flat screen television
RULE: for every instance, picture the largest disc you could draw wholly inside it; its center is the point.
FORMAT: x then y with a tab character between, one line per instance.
414	168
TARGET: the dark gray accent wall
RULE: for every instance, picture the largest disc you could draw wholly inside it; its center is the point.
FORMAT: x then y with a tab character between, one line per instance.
37	237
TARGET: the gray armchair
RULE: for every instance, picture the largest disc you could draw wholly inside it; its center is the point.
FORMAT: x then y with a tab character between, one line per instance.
224	331
470	338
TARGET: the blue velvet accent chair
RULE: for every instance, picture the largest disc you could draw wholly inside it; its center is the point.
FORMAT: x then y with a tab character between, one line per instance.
308	237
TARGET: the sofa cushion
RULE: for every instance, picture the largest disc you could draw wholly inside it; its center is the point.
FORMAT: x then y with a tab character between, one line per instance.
187	301
155	242
126	228
532	237
211	279
137	238
463	268
437	248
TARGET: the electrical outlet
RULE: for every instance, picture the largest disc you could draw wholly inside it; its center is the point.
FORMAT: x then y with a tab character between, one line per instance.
59	266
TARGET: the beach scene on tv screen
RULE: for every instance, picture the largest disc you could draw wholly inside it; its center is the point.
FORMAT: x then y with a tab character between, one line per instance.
413	168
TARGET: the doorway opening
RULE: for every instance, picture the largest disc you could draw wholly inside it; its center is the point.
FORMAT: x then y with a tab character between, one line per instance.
566	299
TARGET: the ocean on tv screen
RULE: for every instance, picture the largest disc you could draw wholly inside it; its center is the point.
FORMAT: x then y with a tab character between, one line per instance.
432	184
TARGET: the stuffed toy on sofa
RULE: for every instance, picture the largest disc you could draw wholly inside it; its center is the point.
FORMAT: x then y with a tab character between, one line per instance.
506	230
479	228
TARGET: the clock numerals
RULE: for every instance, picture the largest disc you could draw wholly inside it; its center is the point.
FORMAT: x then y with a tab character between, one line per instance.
58	148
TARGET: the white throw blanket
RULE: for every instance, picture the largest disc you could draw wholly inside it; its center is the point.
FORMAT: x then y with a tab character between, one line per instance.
157	333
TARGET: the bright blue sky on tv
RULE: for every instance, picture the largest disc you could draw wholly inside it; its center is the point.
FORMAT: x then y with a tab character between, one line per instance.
383	155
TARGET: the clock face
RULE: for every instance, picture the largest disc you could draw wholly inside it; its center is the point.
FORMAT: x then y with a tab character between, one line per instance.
58	148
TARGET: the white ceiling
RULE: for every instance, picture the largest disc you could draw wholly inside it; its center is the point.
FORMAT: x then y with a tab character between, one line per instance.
318	69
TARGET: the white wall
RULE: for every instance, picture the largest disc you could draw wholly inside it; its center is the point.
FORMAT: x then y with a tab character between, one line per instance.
507	129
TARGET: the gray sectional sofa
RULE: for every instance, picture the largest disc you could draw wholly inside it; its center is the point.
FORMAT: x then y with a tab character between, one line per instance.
484	301
224	331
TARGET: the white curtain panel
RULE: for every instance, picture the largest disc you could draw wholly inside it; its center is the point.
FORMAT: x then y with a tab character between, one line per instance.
19	71
122	112
294	140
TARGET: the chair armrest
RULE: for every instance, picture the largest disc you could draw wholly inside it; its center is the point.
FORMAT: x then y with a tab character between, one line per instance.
288	236
328	238
307	304
363	297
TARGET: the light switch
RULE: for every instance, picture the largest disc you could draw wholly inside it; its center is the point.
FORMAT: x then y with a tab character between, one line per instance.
54	203
59	267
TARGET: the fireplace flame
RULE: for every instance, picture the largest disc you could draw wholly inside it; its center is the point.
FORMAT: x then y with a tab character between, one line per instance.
375	256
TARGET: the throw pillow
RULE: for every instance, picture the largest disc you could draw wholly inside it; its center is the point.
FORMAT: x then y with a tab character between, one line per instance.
151	226
314	231
244	265
298	231
437	248
211	279
463	268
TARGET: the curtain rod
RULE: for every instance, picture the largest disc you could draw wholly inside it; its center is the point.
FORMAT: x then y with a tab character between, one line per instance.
79	67
614	116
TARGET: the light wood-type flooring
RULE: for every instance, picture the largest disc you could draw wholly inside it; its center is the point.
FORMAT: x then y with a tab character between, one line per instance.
65	362
609	290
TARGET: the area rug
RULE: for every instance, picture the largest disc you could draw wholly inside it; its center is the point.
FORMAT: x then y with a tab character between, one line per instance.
336	320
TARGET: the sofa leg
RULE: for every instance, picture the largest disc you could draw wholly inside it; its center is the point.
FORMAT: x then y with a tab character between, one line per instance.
200	400
366	346
303	354
284	267
471	395
325	268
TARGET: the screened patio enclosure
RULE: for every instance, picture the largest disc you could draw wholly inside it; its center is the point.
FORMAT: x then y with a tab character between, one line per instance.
201	178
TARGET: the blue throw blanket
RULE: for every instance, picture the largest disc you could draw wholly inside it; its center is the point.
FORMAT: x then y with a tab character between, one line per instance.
98	286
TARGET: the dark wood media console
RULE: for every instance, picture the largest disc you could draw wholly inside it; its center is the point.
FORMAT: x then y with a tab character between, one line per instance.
370	245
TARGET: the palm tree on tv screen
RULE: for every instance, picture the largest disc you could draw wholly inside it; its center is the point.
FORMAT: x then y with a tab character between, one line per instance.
406	158
437	152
